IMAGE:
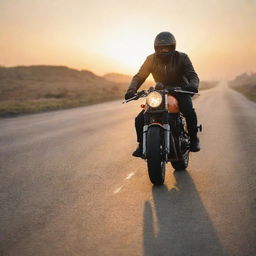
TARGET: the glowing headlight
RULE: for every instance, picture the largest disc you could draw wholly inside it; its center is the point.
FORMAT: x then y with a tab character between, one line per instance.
154	99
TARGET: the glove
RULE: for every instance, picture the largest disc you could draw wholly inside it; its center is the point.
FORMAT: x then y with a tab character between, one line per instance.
129	94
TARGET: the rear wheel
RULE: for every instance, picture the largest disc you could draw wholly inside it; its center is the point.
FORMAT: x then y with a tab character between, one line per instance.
181	164
155	161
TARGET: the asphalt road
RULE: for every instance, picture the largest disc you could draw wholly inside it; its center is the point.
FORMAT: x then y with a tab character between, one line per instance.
69	185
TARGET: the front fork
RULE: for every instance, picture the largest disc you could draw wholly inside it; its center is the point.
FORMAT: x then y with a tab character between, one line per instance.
145	130
167	131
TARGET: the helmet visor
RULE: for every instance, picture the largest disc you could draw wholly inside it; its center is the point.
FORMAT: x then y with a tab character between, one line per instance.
164	48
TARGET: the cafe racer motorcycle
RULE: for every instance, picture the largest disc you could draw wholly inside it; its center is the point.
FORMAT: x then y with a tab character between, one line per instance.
165	135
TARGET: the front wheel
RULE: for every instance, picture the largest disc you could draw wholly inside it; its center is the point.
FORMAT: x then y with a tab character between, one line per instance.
155	161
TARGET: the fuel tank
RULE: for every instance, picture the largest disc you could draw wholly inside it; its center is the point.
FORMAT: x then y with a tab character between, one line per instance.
173	106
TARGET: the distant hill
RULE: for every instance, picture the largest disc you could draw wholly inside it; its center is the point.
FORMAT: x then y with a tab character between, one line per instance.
246	84
35	82
117	77
244	79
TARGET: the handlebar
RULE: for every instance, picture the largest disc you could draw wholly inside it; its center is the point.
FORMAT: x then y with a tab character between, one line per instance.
138	95
144	93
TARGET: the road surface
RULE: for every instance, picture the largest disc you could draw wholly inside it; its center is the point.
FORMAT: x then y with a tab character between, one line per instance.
69	185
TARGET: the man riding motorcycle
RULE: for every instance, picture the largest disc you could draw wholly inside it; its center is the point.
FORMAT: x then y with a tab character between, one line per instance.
172	69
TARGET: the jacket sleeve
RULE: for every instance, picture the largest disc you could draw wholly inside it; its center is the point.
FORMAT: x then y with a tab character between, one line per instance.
190	75
141	76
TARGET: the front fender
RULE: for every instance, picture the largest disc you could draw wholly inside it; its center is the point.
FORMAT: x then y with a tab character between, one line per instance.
158	124
166	129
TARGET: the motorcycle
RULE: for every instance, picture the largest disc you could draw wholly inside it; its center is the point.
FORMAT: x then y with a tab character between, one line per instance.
165	135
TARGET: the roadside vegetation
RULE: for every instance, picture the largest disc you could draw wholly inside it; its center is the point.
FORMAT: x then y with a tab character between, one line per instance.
32	89
245	84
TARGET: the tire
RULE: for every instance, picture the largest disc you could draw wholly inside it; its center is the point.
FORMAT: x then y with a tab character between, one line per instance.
155	162
182	164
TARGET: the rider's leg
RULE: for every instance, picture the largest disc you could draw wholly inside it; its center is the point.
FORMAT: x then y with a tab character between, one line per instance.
186	108
139	123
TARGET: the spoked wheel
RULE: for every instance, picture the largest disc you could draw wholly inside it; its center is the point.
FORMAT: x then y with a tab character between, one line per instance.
155	161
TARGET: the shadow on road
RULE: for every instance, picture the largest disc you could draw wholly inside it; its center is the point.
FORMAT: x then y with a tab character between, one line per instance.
177	222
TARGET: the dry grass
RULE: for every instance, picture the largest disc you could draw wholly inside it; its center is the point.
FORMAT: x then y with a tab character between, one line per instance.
13	108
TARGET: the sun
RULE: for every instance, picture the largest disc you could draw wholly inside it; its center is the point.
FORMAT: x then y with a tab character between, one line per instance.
129	48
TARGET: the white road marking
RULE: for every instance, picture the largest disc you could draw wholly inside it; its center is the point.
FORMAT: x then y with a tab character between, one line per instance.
118	190
127	178
130	175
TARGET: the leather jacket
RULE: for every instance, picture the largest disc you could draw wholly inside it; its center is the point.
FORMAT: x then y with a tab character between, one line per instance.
177	71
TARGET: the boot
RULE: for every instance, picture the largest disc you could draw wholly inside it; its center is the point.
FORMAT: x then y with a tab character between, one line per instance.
194	144
192	131
139	151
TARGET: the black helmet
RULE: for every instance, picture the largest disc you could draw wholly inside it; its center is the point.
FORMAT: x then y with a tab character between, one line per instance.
164	39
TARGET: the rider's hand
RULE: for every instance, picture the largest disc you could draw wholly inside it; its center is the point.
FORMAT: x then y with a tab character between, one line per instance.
129	94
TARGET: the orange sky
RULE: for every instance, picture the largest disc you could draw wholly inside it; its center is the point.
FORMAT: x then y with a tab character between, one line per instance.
116	36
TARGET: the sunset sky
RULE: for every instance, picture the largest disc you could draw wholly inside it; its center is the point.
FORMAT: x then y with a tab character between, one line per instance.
116	36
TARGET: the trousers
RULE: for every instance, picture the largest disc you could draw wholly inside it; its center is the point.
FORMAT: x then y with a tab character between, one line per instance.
186	108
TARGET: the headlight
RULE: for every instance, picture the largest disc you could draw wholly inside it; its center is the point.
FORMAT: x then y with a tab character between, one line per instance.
154	99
